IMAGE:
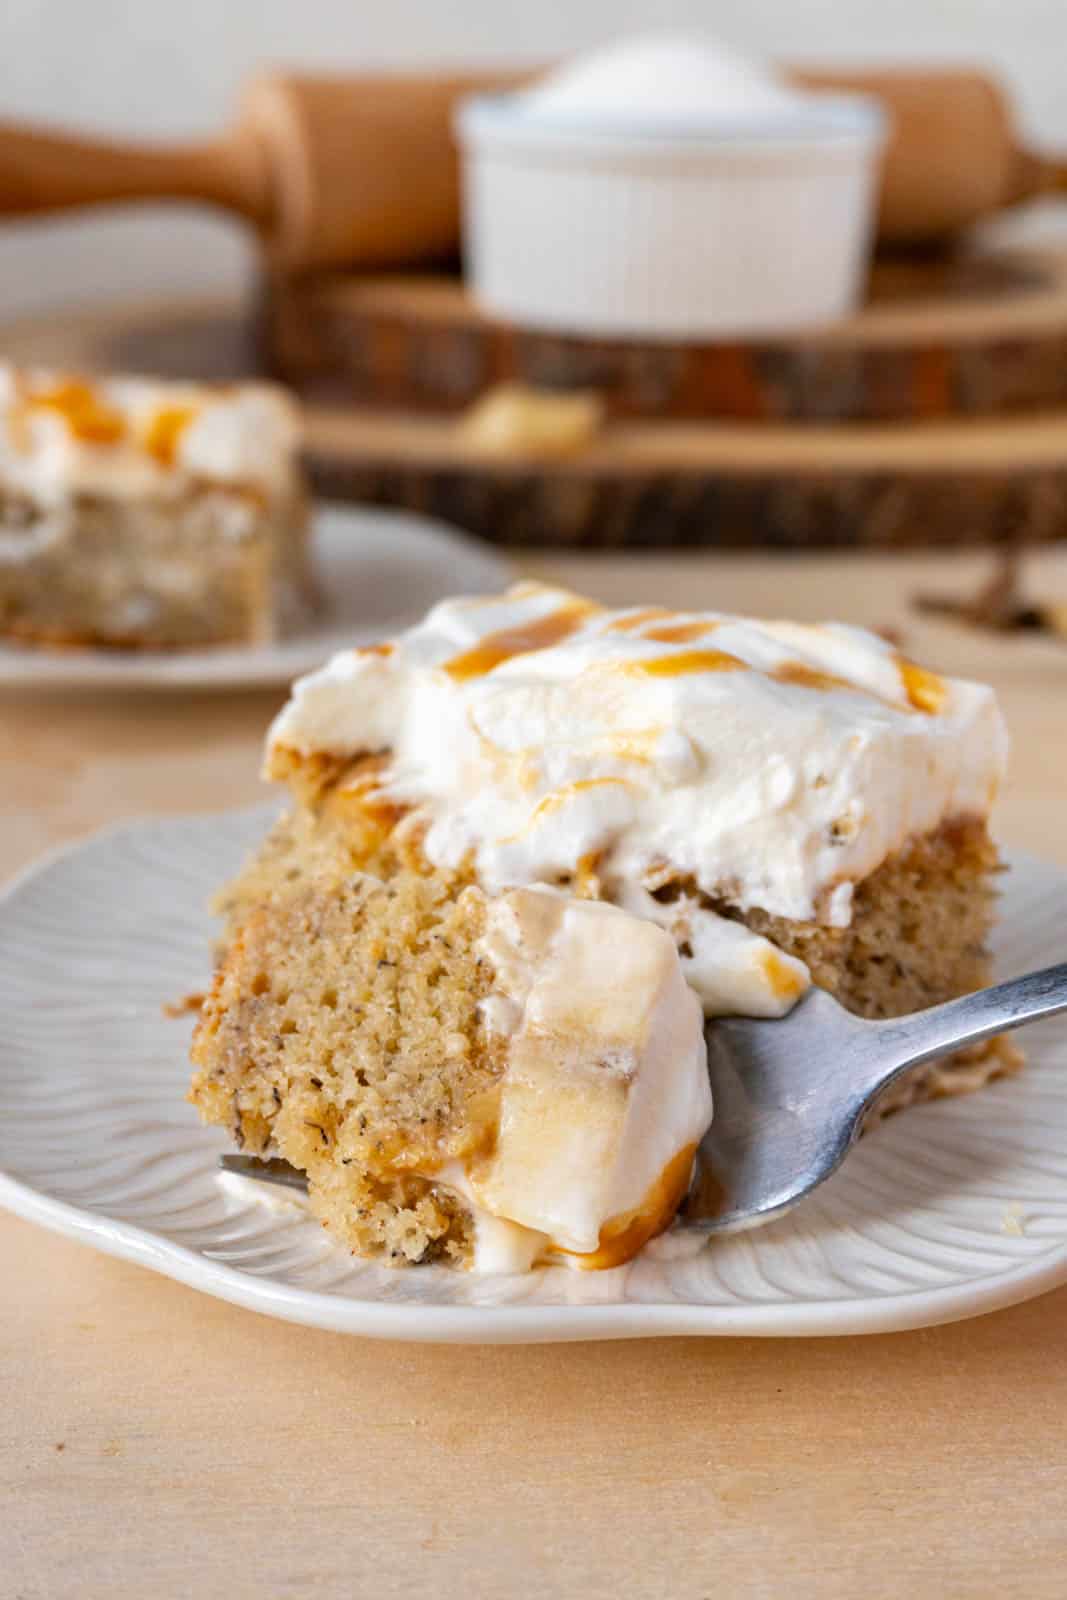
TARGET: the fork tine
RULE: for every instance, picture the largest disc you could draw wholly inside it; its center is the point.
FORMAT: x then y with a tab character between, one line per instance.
272	1170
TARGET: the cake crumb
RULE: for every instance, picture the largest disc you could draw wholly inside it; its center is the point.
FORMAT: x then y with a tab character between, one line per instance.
188	1005
1012	1222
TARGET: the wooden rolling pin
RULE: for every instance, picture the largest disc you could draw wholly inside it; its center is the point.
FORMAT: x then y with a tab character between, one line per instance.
362	171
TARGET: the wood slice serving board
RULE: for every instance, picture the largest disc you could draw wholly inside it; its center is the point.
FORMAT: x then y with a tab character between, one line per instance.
963	336
727	484
711	483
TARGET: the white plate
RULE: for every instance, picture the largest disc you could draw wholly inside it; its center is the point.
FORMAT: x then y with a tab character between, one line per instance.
945	1211
378	570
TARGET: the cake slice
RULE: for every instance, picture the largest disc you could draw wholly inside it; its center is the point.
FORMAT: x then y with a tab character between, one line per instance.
781	804
138	514
488	1081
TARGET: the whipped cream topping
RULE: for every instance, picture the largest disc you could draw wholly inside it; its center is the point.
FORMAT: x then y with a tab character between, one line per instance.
655	81
759	764
62	435
605	1092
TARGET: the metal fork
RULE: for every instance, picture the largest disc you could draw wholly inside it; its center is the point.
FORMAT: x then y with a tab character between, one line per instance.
790	1096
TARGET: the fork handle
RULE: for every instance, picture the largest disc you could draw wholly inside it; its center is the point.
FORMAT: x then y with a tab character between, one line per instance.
908	1041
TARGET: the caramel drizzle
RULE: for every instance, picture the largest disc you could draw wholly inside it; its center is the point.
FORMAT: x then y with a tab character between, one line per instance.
91	420
637	619
163	434
623	1236
523	639
85	414
679	632
785	984
926	690
687	661
559	797
668	630
802	676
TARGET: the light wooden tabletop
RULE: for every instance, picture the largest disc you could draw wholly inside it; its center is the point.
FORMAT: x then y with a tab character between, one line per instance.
156	1442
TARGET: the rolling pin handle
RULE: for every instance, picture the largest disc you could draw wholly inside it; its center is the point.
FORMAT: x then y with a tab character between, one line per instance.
44	170
1054	172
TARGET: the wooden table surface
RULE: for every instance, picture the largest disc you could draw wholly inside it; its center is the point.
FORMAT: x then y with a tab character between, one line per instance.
155	1442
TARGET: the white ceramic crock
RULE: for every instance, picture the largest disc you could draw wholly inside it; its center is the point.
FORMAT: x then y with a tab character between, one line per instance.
685	233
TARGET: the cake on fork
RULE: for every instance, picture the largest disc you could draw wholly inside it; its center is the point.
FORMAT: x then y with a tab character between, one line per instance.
781	804
138	514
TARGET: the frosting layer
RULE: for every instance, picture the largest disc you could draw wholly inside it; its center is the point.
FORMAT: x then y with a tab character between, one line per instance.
679	757
62	435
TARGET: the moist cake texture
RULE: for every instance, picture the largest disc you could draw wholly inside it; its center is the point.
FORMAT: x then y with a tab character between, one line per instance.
137	514
461	1077
788	804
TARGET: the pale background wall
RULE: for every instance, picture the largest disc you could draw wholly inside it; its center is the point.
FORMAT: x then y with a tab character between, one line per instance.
172	67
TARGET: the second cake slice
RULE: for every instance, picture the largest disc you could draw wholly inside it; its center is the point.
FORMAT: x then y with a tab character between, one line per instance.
138	514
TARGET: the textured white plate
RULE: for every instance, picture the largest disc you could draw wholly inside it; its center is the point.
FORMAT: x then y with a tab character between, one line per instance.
378	570
945	1211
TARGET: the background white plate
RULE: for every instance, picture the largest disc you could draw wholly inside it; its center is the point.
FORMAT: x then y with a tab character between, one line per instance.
945	1211
379	570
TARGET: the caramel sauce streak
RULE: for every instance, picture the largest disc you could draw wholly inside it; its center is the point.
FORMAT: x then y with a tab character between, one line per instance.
679	632
523	639
784	982
163	434
637	619
623	1236
802	676
687	661
925	690
559	797
86	415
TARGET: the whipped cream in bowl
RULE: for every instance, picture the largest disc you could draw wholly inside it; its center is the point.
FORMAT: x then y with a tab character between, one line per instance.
677	85
708	195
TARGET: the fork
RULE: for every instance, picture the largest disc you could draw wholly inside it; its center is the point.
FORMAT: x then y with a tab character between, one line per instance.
790	1096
